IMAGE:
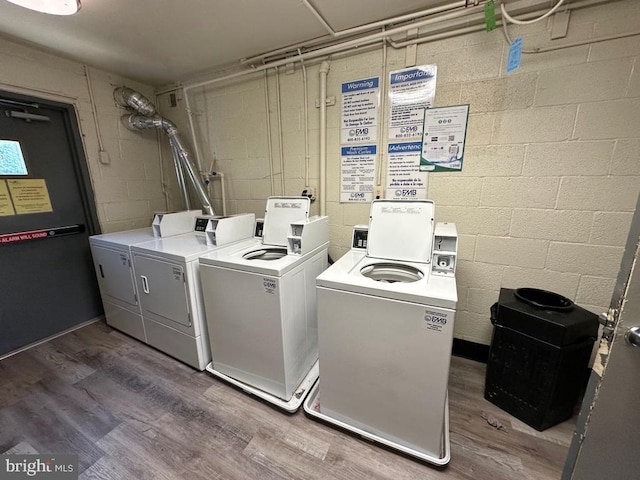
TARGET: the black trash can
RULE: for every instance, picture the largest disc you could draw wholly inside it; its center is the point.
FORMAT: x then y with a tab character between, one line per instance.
539	355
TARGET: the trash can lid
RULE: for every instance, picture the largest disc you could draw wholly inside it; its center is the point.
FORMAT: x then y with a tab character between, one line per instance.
555	326
544	299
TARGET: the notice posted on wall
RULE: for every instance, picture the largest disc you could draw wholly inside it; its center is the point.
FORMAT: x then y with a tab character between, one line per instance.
410	92
404	178
445	130
6	205
30	195
360	105
357	173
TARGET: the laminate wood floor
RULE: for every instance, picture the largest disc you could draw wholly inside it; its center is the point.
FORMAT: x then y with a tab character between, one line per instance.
130	412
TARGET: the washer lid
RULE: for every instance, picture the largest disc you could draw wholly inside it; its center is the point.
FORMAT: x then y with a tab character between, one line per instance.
392	272
266	253
401	230
279	214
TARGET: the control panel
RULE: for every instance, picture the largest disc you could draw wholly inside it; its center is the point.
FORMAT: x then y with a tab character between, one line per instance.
445	249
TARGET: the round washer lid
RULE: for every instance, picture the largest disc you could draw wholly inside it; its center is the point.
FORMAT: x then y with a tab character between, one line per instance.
273	253
392	273
401	230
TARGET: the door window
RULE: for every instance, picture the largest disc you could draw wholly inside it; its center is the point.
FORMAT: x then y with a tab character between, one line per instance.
11	158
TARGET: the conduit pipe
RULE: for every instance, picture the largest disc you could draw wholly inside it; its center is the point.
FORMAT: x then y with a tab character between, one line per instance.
355	30
347	45
180	177
324	71
280	139
269	143
220	175
147	119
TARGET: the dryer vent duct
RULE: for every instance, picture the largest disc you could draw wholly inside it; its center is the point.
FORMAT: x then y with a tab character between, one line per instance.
146	118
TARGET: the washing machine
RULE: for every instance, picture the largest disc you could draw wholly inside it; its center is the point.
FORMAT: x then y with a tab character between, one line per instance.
259	297
166	273
112	261
385	324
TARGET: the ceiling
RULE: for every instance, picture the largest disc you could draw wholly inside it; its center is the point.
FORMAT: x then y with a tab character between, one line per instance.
166	41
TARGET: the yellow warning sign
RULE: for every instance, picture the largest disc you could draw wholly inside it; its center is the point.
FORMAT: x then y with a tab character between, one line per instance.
6	205
30	195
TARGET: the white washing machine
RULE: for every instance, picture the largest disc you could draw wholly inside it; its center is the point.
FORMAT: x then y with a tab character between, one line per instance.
385	326
259	297
112	261
166	271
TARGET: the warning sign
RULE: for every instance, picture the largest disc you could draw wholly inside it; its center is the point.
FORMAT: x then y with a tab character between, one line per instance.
6	205
30	195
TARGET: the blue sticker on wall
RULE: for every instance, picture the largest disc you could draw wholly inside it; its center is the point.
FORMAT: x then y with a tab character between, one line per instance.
515	54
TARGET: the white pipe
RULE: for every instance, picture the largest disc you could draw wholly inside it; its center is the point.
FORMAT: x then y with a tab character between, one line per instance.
280	139
220	175
358	42
92	100
517	21
194	138
360	29
269	144
305	106
383	99
324	71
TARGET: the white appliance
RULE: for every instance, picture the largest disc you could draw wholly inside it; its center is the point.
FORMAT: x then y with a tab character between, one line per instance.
112	261
259	296
385	327
167	278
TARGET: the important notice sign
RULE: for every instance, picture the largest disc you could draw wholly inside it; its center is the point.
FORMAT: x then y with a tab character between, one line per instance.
30	195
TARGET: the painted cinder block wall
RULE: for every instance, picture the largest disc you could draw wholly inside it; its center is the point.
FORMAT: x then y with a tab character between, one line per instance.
128	189
552	163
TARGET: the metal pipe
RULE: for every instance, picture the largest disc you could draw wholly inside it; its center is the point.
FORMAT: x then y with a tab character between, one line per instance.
269	143
180	176
127	97
320	18
139	122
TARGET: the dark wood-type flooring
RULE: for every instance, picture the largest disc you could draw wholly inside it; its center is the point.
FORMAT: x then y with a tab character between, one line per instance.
131	412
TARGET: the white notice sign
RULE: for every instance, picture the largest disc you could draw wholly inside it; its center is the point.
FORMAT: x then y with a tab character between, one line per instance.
445	130
358	173
360	101
410	92
404	178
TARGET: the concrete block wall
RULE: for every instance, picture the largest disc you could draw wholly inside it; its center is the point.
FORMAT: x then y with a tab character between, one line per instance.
552	161
127	190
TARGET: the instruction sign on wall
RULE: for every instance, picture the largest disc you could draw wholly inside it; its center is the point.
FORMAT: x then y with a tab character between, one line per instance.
6	205
358	138
411	91
30	195
445	130
357	173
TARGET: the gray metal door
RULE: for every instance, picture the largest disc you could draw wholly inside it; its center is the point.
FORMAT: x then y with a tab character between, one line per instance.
607	435
47	212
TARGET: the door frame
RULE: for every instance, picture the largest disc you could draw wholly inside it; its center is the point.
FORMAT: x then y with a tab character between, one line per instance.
79	158
610	333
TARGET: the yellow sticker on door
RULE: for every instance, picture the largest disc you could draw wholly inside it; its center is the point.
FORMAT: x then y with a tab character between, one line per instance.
30	195
6	205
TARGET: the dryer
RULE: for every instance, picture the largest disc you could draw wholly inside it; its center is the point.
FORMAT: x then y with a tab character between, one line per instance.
111	254
167	278
259	297
385	324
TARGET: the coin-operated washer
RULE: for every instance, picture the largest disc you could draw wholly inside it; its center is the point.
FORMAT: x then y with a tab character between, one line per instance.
167	278
259	297
114	269
385	326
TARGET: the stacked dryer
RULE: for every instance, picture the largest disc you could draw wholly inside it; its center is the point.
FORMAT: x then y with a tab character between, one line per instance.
385	323
114	269
170	294
259	297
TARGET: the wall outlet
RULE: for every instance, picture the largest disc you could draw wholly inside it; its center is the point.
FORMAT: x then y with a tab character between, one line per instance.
378	192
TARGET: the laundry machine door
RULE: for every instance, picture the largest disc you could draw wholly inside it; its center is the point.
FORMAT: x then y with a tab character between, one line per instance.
163	293
115	275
